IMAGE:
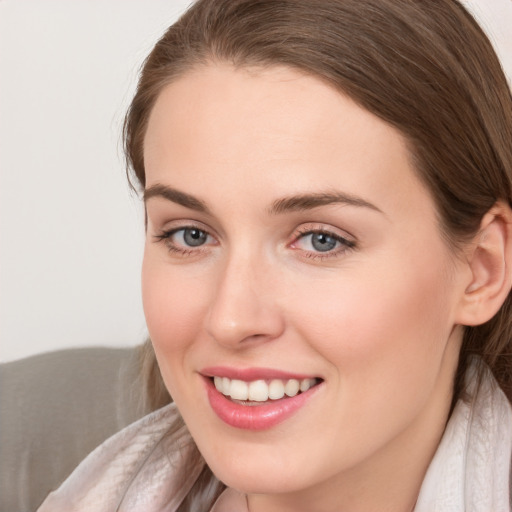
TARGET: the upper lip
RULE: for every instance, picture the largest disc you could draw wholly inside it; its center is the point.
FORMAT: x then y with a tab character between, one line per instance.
252	374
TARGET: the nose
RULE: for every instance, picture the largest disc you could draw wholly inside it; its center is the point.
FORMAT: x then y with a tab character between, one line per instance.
244	309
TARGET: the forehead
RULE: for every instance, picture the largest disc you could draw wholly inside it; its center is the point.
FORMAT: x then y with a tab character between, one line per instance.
263	102
274	130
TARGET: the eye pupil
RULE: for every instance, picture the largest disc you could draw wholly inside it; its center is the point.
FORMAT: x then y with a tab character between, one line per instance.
194	237
323	242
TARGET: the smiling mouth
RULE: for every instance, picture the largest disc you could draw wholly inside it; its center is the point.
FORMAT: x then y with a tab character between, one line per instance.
258	392
258	399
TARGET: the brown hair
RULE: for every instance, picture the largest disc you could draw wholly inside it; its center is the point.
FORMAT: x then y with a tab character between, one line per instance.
424	67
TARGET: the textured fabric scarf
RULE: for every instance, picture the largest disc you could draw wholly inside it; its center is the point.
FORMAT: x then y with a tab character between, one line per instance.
137	469
470	471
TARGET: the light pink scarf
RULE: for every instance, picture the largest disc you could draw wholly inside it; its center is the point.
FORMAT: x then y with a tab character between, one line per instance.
135	470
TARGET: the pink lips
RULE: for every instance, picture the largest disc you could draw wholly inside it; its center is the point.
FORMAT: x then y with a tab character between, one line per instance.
254	417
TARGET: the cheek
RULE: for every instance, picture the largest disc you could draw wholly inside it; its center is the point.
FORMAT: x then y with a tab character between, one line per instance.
384	336
174	311
386	319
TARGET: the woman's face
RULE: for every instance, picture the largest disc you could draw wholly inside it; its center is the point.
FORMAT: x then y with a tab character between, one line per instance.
288	239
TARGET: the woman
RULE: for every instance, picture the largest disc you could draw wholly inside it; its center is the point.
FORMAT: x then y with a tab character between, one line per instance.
327	267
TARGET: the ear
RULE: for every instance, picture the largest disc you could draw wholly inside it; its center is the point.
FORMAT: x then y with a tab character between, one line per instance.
489	257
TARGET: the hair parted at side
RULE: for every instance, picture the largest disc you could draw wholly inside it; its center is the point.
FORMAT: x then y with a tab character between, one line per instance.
424	67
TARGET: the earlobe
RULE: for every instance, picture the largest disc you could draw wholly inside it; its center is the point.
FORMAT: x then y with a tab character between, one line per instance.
490	262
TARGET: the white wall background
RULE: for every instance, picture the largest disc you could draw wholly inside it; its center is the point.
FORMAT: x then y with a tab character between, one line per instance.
71	233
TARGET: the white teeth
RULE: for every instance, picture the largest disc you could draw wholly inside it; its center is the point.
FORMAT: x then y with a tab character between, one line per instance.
291	388
225	386
276	389
260	390
239	390
305	384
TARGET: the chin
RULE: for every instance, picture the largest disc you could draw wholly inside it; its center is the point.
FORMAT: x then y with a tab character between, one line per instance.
257	483
268	475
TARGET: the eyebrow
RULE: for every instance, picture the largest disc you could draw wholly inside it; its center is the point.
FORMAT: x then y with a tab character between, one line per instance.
309	201
301	202
175	196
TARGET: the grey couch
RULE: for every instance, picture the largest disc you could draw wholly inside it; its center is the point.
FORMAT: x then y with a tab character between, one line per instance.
54	409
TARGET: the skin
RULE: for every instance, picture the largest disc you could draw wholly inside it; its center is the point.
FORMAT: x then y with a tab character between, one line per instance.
377	319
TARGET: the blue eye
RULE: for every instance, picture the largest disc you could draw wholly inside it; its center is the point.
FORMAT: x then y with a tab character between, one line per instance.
192	237
322	242
185	240
319	242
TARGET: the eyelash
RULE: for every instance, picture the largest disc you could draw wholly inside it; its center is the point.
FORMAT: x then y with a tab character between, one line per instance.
166	237
345	244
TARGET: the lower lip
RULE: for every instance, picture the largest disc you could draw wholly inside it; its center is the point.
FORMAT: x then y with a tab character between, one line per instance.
256	417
